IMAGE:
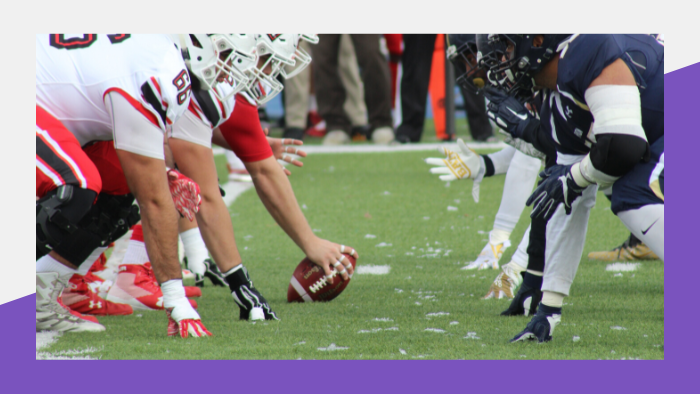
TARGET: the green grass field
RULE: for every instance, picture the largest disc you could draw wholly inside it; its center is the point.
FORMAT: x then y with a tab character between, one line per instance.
393	197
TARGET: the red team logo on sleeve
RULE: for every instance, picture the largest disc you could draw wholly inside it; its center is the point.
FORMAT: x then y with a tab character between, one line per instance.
182	83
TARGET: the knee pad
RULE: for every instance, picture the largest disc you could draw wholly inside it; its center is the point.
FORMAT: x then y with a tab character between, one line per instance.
106	221
58	214
112	216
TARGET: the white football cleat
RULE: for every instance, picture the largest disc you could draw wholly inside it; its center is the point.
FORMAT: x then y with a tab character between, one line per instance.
489	256
51	314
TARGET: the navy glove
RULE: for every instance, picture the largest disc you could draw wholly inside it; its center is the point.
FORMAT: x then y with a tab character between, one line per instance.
558	186
510	114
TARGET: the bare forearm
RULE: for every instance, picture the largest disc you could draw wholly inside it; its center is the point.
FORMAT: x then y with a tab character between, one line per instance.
213	218
147	181
217	231
159	223
277	195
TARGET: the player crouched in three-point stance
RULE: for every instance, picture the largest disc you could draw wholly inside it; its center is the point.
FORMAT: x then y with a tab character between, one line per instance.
602	104
228	114
103	103
520	161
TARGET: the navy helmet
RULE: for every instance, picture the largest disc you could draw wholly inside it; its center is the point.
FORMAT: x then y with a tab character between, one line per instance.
525	55
462	52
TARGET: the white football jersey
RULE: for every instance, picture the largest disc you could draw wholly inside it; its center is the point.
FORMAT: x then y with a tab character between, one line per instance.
212	111
75	72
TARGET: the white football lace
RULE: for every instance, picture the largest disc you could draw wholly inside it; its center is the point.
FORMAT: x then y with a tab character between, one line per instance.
320	283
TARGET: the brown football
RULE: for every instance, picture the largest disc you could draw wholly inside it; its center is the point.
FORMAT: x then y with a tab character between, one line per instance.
308	283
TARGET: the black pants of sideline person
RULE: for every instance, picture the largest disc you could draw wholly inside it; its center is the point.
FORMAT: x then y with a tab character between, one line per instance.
416	62
374	71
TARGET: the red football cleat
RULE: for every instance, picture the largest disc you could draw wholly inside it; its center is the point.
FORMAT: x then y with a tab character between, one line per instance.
193	291
80	296
136	285
76	313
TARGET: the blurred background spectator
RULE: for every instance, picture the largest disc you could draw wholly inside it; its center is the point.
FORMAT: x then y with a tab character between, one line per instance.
301	109
416	70
331	94
417	96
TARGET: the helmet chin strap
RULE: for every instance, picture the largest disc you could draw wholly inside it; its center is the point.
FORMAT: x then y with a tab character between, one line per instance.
183	43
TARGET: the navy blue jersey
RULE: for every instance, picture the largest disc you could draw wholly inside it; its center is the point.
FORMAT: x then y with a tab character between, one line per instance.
565	113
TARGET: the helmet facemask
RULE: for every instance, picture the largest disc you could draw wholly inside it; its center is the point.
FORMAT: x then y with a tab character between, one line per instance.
522	60
278	50
214	59
301	57
262	86
464	59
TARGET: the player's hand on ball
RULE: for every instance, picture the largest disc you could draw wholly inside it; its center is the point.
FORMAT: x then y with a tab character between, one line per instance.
185	194
465	165
286	149
329	256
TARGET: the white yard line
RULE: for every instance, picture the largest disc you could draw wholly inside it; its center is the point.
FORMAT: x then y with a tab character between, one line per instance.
388	148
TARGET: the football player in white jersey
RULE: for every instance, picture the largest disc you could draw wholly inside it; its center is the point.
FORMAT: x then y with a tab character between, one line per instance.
234	124
128	89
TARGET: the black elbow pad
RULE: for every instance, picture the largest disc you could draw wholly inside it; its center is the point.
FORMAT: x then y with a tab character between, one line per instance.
616	154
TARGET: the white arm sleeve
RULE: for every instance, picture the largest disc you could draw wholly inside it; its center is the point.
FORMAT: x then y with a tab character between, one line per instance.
192	129
616	109
132	131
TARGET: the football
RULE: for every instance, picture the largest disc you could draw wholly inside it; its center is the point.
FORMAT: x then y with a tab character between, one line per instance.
308	283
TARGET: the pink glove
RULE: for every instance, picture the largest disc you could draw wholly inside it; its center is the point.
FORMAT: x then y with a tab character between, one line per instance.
185	194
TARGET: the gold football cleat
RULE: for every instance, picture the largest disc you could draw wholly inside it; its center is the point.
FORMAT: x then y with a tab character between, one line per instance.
628	251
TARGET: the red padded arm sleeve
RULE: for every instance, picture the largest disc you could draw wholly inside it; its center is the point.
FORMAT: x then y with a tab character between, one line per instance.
244	133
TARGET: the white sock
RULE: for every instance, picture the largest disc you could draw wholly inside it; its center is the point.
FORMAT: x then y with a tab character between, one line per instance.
49	264
85	266
195	250
647	224
136	253
553	299
498	236
501	159
233	161
520	257
520	178
120	247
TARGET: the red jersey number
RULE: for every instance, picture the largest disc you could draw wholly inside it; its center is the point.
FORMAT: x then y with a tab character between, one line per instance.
59	41
182	83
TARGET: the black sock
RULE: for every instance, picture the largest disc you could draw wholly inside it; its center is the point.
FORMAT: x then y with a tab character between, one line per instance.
238	278
549	310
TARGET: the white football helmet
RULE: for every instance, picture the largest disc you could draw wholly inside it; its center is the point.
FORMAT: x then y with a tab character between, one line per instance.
279	51
302	58
217	58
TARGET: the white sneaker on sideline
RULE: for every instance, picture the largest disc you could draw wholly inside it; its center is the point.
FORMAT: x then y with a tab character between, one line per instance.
383	135
336	137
